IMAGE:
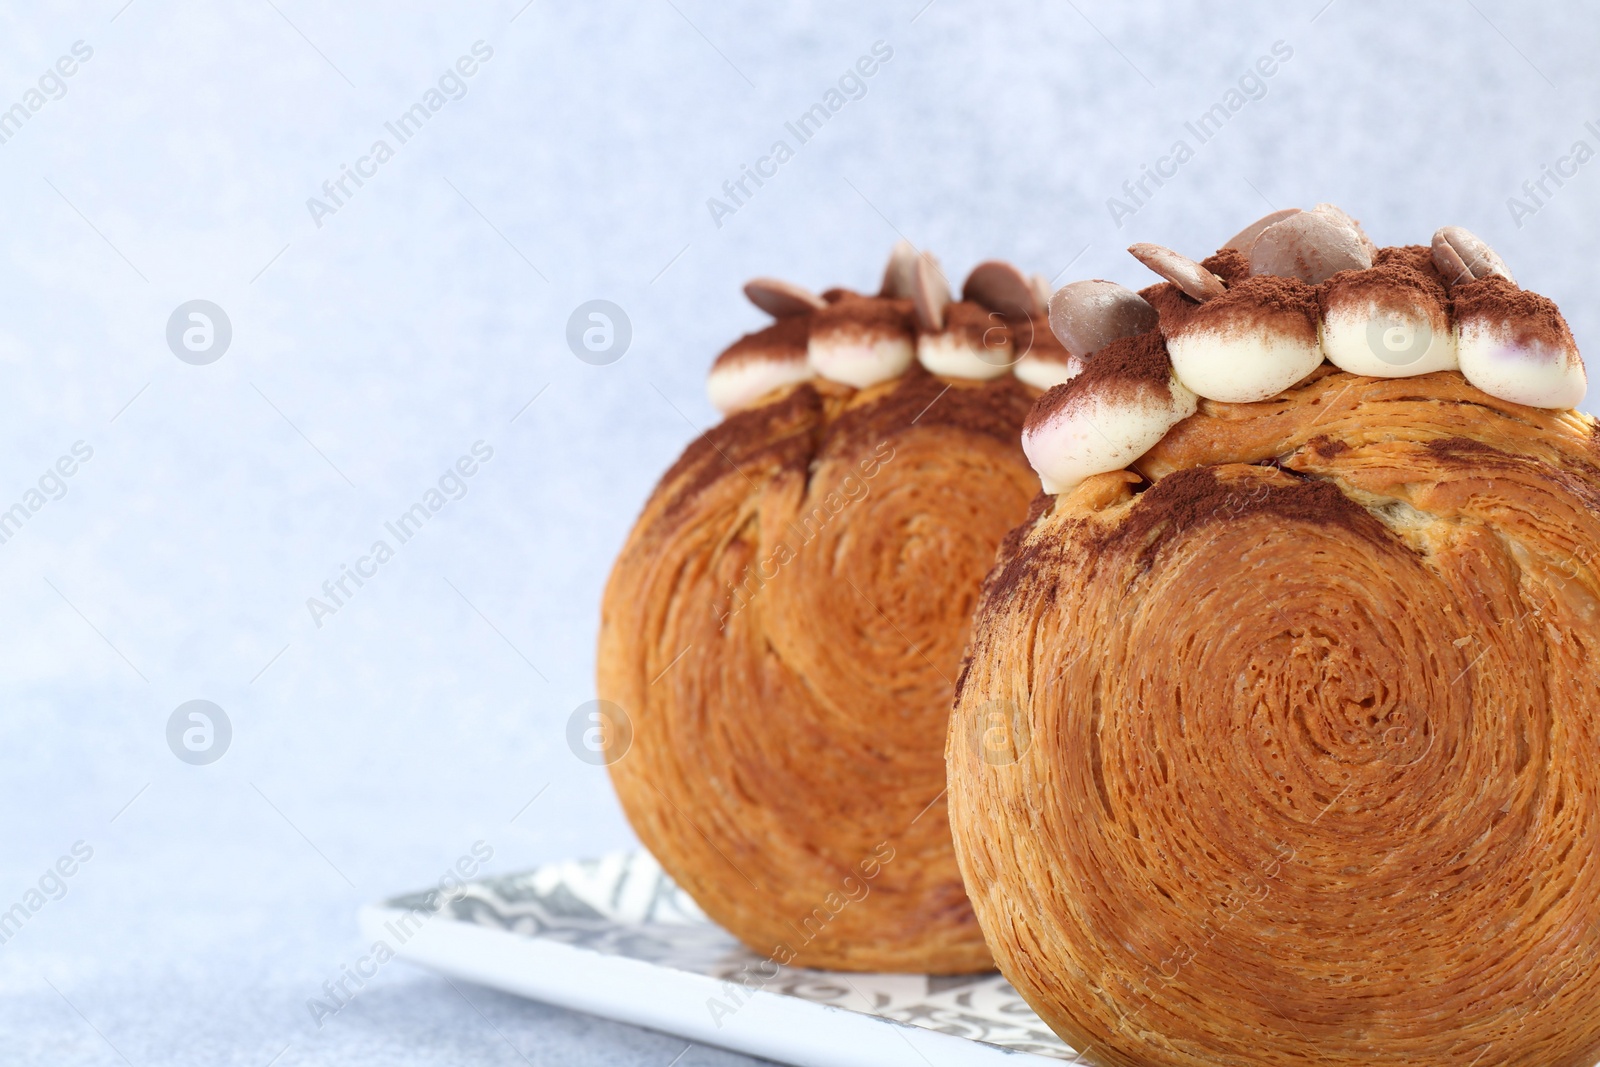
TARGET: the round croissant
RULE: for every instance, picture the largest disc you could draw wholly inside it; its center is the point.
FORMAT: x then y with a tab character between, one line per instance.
1286	752
783	629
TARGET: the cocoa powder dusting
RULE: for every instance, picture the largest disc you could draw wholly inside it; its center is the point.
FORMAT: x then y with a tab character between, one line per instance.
785	338
1131	362
1019	558
918	400
1002	579
1417	257
1032	337
1173	306
850	315
748	443
1229	264
1580	480
1464	450
1268	301
1530	318
1326	447
1128	369
1012	543
972	322
1395	283
791	432
1188	499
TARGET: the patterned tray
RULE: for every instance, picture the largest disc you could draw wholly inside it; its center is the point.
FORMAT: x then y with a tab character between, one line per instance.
615	937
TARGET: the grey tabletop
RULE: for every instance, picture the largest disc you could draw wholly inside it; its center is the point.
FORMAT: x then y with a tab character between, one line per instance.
376	321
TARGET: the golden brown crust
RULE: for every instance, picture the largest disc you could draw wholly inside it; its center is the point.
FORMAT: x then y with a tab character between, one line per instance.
783	628
1290	757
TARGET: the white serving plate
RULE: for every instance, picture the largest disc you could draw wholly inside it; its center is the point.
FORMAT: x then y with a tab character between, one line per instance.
615	937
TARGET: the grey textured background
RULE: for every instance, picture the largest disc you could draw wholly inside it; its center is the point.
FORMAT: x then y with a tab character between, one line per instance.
370	352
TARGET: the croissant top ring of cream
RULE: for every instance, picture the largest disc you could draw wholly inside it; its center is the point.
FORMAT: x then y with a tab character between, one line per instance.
999	326
1285	294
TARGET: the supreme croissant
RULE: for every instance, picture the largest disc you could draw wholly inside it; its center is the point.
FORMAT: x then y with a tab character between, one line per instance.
1277	740
784	624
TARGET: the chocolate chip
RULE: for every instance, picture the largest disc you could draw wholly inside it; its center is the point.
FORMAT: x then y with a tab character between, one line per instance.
1087	316
1246	237
1355	224
930	293
1310	245
897	276
1462	256
1001	287
782	299
1180	270
1041	289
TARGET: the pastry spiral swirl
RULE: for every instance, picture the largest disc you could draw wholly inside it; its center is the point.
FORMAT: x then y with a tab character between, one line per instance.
783	628
1286	752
